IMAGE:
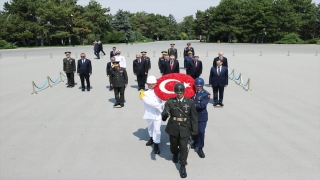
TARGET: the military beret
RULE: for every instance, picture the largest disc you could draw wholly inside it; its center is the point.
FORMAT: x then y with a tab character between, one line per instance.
67	52
172	44
189	44
143	52
164	52
190	52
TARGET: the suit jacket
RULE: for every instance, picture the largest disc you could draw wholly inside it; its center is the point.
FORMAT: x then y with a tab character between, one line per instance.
160	62
173	51
108	69
168	70
96	47
140	69
224	60
69	65
187	49
193	70
201	100
85	68
148	61
186	60
112	54
218	80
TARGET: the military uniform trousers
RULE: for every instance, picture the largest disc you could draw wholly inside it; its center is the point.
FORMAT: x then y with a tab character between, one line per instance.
154	129
70	77
119	94
199	139
180	144
141	78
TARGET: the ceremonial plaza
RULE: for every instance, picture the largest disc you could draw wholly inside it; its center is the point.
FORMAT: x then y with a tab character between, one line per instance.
268	127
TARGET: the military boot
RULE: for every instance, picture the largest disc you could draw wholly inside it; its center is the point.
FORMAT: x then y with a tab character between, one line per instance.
183	171
156	148
175	158
150	142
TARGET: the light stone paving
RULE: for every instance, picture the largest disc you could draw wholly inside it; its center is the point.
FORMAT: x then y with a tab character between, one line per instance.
271	132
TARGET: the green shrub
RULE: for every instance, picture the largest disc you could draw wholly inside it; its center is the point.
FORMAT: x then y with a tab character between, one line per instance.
115	37
183	36
291	38
312	41
6	45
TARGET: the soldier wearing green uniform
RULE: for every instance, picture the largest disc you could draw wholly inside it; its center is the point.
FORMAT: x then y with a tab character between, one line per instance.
183	122
119	81
147	59
173	51
69	67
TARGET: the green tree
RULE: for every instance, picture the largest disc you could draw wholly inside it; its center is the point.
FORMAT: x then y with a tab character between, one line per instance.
121	23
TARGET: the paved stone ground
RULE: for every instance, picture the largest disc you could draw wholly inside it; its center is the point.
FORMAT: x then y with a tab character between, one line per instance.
271	132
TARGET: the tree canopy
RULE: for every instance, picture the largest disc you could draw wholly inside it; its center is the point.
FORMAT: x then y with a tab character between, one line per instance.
63	22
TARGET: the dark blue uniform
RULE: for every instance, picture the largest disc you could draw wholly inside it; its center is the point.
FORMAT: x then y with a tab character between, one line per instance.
201	100
187	59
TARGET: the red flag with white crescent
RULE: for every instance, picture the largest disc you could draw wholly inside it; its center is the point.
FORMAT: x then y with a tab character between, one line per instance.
164	88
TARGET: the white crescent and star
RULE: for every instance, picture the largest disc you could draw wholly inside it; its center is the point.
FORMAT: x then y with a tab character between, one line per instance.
163	84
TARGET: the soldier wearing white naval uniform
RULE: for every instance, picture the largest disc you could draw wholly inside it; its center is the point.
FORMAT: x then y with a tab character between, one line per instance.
153	106
121	59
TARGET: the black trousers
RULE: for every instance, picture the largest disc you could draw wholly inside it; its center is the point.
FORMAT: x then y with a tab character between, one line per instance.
82	77
194	76
110	83
119	94
141	81
217	89
70	77
181	143
103	52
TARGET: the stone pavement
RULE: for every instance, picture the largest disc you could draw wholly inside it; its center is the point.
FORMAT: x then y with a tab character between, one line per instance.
271	132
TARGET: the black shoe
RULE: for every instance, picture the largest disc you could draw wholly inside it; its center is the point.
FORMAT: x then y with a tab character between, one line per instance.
71	86
68	86
83	89
156	149
183	171
194	145
150	142
215	104
122	105
88	89
220	103
201	153
116	105
175	158
138	89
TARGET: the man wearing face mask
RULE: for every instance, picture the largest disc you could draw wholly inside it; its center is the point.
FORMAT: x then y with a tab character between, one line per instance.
201	100
153	108
183	122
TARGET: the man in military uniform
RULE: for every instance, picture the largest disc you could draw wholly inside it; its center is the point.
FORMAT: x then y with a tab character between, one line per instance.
201	100
119	81
147	59
183	122
173	51
187	49
69	67
161	60
188	59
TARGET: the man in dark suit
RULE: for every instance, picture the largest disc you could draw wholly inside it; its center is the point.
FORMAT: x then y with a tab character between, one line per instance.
84	70
96	49
161	60
108	69
173	51
222	58
101	48
187	59
113	52
171	66
194	68
140	69
218	80
187	49
69	67
163	63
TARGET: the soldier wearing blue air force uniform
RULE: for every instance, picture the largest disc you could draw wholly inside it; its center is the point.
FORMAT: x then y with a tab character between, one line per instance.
201	100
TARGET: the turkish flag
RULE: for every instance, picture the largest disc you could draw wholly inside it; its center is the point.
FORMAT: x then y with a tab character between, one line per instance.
164	88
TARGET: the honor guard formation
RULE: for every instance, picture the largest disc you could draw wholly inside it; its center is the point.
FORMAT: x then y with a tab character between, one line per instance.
186	117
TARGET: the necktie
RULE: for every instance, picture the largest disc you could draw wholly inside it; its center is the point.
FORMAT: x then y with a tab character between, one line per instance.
139	62
171	65
179	102
219	70
195	63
